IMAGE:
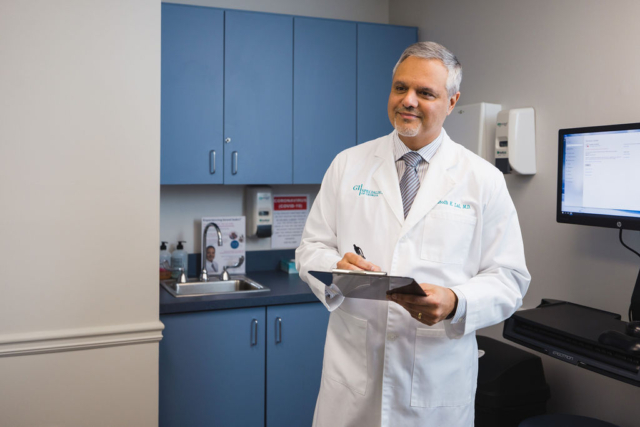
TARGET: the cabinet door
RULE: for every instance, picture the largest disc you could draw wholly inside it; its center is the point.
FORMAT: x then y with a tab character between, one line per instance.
324	95
295	348
212	368
192	72
379	48
258	104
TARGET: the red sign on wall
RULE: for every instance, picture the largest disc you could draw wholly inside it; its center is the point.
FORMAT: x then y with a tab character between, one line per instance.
289	203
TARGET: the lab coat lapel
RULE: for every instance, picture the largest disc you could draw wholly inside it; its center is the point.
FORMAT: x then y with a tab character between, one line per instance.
436	184
386	176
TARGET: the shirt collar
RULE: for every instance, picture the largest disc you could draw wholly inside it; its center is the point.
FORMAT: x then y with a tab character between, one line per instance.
426	152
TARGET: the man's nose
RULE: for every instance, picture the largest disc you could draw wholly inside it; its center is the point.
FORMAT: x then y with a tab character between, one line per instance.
410	100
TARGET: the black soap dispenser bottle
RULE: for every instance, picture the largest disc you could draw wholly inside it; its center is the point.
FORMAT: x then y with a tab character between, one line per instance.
165	262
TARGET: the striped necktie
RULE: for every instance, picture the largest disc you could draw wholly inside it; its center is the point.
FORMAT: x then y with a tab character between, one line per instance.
410	182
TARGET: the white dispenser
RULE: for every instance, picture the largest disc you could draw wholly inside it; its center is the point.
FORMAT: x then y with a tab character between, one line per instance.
259	211
474	127
515	146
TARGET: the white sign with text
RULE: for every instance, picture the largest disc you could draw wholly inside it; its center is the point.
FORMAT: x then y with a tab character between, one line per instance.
290	212
233	244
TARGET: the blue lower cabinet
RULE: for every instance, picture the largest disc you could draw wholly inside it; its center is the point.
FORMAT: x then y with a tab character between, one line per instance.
230	368
295	346
212	369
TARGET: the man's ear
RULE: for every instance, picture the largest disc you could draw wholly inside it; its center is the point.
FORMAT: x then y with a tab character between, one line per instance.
452	102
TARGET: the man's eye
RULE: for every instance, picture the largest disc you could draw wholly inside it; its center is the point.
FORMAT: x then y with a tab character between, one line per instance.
399	88
427	94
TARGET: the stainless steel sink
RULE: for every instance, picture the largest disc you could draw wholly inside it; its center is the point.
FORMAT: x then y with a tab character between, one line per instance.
194	288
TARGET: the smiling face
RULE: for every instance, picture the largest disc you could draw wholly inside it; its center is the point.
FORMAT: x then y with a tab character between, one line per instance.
211	253
418	102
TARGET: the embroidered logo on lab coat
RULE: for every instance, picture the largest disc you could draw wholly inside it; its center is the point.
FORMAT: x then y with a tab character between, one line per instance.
364	192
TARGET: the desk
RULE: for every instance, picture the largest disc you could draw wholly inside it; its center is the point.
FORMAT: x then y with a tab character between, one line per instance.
569	332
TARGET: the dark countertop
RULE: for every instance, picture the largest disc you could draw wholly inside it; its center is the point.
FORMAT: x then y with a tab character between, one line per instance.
284	289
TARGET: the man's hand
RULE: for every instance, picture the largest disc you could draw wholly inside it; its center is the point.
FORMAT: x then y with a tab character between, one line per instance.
352	261
435	307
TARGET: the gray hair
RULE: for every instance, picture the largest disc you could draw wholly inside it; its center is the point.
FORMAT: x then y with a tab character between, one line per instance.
433	50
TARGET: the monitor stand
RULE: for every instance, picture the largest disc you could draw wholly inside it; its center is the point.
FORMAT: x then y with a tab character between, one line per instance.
634	309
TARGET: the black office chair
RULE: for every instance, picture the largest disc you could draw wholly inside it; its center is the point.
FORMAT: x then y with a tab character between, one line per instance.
563	420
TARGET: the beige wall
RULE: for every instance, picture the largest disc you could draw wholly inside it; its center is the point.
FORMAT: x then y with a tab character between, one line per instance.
79	178
109	387
576	63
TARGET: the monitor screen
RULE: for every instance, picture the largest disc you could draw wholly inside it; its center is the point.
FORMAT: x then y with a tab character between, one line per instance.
599	176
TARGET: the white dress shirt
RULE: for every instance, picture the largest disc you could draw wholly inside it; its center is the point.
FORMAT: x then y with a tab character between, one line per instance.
426	152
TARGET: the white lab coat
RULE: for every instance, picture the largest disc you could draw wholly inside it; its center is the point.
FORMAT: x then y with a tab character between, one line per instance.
381	367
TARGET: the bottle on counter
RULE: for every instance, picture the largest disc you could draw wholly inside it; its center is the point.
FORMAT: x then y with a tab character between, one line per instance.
179	259
165	262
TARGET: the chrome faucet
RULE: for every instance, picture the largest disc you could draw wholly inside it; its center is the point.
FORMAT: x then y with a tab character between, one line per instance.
203	274
225	273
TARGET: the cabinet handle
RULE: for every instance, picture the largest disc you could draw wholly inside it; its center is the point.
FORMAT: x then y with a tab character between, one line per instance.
212	162
227	140
254	332
278	330
235	163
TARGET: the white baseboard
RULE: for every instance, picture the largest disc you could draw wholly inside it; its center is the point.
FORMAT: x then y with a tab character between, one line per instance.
79	339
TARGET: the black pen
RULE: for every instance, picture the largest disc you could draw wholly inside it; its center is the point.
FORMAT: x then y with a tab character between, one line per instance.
359	251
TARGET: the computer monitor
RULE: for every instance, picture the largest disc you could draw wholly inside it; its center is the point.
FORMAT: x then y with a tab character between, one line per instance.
599	176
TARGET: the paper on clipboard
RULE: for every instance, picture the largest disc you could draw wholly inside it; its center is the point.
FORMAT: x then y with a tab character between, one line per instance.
368	285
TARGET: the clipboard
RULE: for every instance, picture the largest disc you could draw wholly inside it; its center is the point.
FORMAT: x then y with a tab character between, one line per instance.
373	285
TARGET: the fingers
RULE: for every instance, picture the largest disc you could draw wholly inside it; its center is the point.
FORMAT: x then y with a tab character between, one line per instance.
404	299
352	261
429	310
423	317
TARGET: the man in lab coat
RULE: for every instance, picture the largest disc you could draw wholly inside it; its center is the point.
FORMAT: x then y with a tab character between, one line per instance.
422	206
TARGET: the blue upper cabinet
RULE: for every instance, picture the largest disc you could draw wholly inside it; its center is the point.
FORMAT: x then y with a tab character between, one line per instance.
258	103
243	104
379	48
192	85
324	95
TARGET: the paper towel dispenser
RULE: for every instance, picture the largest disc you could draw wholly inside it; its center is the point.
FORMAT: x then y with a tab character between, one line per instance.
515	144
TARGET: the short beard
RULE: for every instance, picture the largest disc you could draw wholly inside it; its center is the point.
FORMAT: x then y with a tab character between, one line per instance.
402	131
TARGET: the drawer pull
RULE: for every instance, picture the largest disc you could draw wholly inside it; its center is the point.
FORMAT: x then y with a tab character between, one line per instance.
254	332
278	330
212	162
235	163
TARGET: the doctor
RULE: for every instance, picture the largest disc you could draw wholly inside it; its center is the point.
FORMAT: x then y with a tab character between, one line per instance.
211	265
422	206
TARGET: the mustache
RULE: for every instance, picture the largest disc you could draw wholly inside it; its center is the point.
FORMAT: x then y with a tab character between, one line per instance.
412	111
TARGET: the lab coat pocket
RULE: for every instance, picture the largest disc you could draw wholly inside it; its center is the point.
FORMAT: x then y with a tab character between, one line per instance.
447	237
441	374
345	359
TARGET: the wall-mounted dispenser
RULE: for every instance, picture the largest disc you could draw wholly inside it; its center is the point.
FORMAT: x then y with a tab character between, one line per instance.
259	211
515	144
474	127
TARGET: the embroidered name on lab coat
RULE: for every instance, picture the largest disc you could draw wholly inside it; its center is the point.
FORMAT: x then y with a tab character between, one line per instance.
454	204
